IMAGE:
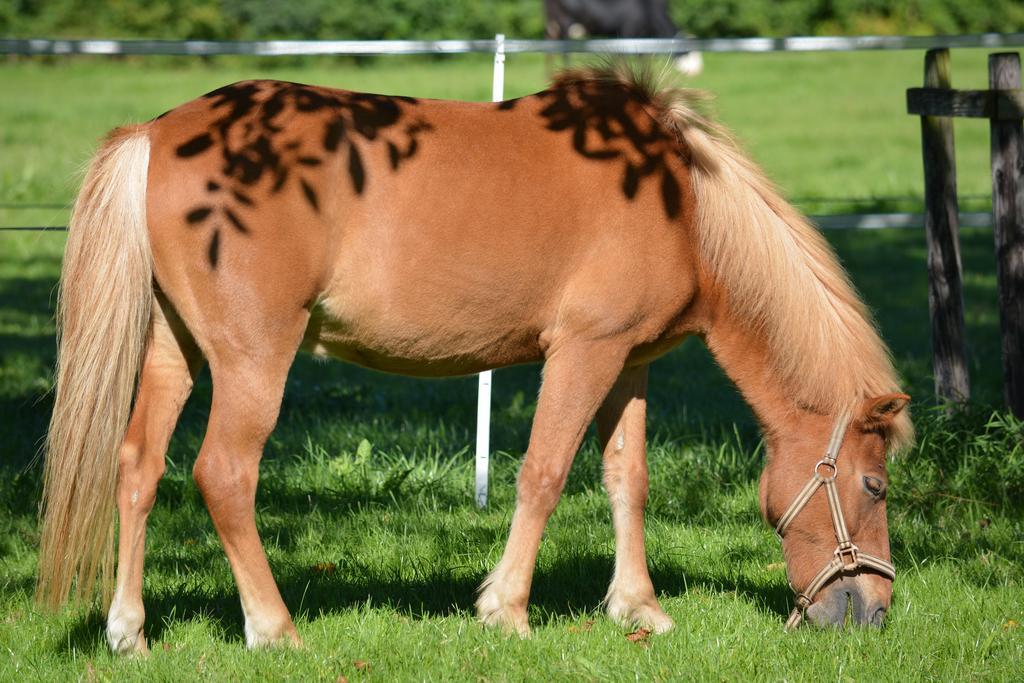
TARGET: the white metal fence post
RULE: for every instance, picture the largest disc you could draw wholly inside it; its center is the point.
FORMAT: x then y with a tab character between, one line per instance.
483	436
498	91
483	402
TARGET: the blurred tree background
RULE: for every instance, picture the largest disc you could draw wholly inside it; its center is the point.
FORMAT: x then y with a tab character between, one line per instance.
377	19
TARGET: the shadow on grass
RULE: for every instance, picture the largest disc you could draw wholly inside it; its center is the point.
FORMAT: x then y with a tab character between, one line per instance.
30	296
565	589
27	416
86	634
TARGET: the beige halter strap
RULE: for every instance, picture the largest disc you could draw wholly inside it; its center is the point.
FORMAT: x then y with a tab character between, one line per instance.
847	556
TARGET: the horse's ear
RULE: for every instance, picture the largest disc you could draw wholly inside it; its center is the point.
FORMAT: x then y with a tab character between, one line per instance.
884	408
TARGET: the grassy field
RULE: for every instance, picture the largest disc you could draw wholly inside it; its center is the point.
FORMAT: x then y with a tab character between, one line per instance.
365	503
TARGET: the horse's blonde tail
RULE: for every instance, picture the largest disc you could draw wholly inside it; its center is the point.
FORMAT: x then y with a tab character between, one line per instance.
103	317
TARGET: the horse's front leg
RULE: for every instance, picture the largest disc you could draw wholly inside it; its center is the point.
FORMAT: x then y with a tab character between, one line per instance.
621	424
577	377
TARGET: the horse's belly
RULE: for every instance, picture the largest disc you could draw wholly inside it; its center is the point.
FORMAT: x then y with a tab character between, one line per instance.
424	346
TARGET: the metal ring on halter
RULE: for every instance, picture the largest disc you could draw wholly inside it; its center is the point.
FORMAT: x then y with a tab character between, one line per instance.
826	463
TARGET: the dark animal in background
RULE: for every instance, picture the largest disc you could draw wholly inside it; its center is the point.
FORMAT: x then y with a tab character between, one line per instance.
575	19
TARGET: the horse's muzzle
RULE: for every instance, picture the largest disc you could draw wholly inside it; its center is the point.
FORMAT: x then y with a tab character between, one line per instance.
864	597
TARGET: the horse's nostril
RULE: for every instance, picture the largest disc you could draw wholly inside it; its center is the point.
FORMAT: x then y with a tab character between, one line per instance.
878	617
831	609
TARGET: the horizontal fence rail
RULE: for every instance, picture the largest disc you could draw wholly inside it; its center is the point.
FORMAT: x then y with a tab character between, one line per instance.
878	221
275	48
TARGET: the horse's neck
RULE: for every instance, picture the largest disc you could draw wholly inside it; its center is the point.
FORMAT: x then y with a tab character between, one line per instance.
744	356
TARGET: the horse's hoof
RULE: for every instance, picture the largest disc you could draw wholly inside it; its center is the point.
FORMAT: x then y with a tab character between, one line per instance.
511	620
647	615
281	638
127	645
509	624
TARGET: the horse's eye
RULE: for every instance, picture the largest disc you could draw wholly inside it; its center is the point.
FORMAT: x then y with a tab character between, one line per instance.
874	486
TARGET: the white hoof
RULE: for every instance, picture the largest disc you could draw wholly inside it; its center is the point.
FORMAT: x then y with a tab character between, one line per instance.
124	632
645	613
493	611
266	633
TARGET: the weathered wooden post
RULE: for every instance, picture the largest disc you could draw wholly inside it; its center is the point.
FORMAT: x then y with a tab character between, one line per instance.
942	226
1008	213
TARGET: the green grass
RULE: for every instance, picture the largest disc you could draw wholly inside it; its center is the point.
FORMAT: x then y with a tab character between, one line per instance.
366	505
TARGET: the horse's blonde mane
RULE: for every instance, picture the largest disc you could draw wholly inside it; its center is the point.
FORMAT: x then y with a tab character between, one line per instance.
778	272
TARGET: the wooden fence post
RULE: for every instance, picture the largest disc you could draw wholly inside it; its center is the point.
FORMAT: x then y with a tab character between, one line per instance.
1008	213
942	226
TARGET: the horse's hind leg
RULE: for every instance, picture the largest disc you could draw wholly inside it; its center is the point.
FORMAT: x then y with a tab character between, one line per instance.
576	379
166	381
621	426
248	384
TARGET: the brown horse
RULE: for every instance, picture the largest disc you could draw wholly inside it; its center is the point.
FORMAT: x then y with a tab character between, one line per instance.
591	226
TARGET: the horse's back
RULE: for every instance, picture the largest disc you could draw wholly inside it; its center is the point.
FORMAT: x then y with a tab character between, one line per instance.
435	236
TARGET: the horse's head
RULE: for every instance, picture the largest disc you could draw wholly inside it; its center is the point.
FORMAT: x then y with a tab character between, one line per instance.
824	490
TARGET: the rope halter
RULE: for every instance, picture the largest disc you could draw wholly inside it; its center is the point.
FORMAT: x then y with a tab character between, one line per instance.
847	557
